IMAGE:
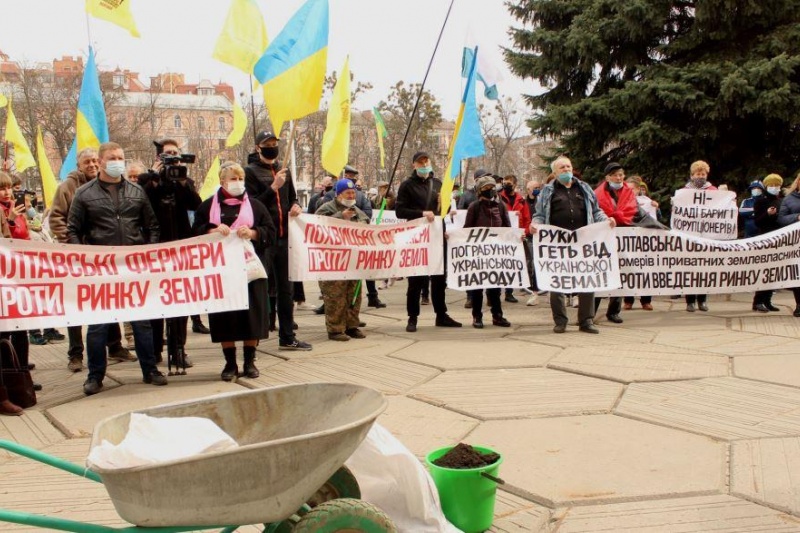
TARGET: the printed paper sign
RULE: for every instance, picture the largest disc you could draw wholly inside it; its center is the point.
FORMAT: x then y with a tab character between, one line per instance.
483	258
389	217
707	214
330	249
576	261
45	285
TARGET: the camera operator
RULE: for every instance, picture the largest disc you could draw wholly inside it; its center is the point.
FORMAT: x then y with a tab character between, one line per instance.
172	195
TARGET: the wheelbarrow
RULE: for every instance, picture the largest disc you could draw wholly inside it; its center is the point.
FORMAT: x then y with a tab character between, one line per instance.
293	441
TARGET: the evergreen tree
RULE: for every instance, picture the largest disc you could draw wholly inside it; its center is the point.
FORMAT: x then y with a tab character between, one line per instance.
657	84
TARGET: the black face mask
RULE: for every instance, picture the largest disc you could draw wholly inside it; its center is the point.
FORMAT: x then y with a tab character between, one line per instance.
269	152
508	188
329	188
488	194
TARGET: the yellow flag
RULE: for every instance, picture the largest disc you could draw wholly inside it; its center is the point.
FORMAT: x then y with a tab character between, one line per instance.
336	139
115	11
23	158
3	101
49	184
244	36
211	183
239	126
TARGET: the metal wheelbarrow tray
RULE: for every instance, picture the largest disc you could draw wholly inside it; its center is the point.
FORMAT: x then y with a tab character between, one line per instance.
292	439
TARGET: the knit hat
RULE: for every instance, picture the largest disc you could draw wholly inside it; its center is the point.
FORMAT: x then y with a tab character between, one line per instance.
484	182
481	172
344	184
755	184
773	180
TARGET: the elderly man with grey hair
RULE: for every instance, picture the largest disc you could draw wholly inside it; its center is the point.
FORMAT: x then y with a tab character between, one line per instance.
569	203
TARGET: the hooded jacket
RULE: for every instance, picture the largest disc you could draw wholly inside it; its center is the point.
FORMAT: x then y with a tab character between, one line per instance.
416	195
59	210
258	178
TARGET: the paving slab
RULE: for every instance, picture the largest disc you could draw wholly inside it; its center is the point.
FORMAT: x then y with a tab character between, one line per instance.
485	353
515	515
385	374
780	369
701	514
610	335
422	428
726	408
519	393
768	471
78	418
642	362
31	429
727	342
60	386
603	458
374	344
772	324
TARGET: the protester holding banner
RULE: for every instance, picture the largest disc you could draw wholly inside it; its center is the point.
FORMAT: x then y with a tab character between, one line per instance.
617	199
746	212
765	214
532	188
515	202
698	180
789	214
231	210
342	298
569	203
7	407
326	185
111	211
487	212
273	186
418	197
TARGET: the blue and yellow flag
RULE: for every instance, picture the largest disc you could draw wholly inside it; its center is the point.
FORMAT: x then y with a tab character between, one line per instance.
467	139
70	162
244	36
292	69
336	139
91	126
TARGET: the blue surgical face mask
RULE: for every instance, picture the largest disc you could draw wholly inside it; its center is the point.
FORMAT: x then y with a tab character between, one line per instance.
115	168
615	186
424	172
756	192
536	192
774	191
31	213
565	177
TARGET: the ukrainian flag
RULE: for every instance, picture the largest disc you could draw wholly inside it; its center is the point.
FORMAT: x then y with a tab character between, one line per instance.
292	69
467	139
91	125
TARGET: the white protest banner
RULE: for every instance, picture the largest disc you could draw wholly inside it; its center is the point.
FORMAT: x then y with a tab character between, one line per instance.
656	262
330	249
484	258
456	219
45	285
389	217
708	214
584	260
647	206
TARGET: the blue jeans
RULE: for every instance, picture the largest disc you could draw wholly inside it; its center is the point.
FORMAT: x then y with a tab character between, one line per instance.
96	338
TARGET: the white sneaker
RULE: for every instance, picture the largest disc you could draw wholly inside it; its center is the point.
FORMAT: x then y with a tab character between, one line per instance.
305	306
533	300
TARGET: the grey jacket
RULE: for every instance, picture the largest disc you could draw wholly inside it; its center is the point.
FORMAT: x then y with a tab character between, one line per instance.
593	211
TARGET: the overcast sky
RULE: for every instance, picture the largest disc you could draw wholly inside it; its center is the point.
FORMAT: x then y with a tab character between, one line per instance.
388	40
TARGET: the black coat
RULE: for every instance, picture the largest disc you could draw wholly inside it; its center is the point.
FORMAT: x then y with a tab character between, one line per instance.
258	178
171	203
251	323
790	209
95	219
479	215
416	195
764	221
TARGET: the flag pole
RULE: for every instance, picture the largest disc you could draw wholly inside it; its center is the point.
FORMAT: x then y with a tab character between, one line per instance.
289	144
252	108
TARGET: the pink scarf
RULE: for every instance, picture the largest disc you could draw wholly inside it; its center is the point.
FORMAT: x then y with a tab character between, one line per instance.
244	219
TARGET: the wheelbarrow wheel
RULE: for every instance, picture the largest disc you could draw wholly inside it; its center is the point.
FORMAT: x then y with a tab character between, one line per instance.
342	484
345	515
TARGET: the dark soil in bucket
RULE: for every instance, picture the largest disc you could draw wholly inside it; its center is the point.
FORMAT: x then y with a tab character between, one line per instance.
465	456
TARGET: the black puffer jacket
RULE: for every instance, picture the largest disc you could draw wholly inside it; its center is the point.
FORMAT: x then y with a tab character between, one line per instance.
416	195
258	178
94	219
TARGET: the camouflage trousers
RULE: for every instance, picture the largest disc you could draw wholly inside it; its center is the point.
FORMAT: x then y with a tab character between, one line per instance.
339	314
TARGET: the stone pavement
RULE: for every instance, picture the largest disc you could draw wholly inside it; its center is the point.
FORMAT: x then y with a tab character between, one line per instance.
670	422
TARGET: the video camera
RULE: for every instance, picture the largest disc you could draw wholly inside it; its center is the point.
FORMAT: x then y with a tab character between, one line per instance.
171	168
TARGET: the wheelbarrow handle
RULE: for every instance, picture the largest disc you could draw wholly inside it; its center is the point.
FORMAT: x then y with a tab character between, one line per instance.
47	459
493	478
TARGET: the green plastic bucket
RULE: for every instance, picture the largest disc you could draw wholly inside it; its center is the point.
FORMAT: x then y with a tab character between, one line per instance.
467	496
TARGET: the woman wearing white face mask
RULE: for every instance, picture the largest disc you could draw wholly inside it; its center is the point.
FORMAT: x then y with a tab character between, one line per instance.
231	211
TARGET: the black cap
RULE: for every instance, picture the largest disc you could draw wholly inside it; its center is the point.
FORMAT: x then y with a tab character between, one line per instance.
265	135
611	167
349	170
418	155
481	172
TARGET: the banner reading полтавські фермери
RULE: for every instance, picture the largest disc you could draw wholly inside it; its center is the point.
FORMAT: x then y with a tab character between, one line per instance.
44	285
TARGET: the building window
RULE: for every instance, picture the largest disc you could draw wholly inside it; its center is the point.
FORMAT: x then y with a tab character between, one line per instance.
201	123
119	80
221	122
177	122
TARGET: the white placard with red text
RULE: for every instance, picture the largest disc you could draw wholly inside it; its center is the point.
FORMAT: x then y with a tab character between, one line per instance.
330	249
44	285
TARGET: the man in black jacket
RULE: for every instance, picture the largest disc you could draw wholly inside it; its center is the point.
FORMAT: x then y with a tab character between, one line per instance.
272	185
172	195
111	211
417	197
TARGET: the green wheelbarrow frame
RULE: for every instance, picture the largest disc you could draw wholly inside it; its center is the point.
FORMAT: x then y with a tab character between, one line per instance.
62	524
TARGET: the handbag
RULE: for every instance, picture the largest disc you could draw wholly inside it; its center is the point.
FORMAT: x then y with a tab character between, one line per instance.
255	268
17	380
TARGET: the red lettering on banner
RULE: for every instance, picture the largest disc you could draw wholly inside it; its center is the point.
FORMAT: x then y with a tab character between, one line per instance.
112	296
413	257
375	259
31	301
339	236
328	260
177	259
191	289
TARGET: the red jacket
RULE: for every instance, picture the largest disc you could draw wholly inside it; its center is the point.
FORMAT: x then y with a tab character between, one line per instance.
623	209
19	227
521	207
